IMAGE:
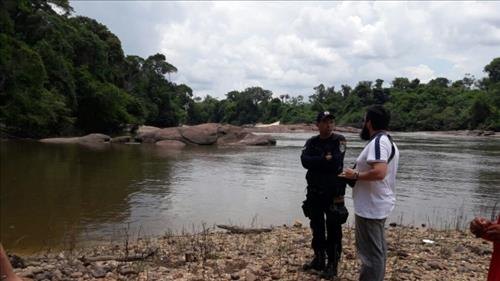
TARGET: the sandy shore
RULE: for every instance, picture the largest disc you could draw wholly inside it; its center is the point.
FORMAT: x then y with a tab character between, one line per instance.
275	255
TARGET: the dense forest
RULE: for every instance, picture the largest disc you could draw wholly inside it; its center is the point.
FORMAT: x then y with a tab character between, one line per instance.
68	75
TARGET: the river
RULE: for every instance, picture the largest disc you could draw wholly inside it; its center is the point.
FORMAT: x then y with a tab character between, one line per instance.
58	196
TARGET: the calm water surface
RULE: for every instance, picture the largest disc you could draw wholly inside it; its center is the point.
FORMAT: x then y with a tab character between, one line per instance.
55	195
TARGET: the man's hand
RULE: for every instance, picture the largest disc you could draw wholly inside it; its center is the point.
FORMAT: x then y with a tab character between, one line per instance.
493	232
349	173
478	226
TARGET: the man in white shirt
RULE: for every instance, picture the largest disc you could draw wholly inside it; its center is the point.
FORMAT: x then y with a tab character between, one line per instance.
374	194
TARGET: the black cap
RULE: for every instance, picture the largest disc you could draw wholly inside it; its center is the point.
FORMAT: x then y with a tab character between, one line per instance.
324	114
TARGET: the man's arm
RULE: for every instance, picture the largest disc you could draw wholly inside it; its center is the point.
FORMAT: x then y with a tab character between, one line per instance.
378	156
377	172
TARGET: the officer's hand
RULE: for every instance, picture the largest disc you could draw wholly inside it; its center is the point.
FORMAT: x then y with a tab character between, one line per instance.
328	156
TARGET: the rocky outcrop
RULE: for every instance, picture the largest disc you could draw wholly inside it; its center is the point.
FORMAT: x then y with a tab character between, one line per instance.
91	138
178	137
122	139
153	136
480	133
204	134
171	144
251	139
229	134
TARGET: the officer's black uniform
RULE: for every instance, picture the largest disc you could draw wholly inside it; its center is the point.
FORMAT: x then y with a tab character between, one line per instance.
323	188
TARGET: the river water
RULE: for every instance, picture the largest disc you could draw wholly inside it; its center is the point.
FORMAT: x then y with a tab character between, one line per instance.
56	196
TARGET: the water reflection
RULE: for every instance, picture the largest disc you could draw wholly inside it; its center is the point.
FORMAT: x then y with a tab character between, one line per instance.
50	192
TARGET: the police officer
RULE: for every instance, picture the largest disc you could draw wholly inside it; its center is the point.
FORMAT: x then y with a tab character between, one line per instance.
323	157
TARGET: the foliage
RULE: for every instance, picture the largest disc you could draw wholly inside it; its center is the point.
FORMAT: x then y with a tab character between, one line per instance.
63	75
68	75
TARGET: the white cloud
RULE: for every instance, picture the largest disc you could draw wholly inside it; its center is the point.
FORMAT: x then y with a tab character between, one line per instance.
423	72
292	47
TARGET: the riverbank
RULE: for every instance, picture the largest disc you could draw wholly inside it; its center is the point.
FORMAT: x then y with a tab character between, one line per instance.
274	255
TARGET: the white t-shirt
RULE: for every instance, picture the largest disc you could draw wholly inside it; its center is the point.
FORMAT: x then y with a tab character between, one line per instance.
376	199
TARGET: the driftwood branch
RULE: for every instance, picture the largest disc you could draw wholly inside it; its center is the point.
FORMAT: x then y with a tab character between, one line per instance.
88	260
241	230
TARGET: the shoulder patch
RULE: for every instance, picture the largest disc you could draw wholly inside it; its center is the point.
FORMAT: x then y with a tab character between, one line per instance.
342	146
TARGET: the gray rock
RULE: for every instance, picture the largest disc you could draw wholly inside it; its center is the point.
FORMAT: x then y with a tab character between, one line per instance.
98	271
250	276
44	275
203	134
58	274
459	249
77	274
252	139
153	136
125	270
435	265
171	144
122	139
91	138
228	134
146	129
488	133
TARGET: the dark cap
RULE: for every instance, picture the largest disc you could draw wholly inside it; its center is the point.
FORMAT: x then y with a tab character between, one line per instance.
324	114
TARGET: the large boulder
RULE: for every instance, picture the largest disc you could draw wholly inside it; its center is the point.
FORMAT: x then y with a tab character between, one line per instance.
146	129
173	144
229	134
153	136
91	138
121	139
203	134
252	139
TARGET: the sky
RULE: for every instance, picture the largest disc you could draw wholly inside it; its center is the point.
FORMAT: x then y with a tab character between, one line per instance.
291	47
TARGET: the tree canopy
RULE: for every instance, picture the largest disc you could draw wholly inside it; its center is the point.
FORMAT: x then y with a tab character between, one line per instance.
67	75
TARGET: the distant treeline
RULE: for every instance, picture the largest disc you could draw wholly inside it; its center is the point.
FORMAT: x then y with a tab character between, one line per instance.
66	75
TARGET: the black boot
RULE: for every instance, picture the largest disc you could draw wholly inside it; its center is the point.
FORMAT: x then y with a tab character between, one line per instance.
330	271
317	263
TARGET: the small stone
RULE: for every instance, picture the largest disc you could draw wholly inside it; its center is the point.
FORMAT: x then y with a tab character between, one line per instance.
98	272
77	274
58	274
61	256
402	254
17	261
44	275
190	257
462	269
435	265
297	224
250	276
126	271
